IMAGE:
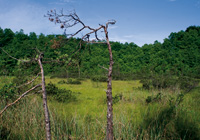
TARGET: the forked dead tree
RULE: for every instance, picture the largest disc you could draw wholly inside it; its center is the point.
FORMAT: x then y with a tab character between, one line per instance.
42	84
70	20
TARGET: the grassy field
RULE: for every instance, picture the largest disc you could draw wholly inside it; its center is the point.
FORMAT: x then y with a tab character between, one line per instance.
92	100
169	116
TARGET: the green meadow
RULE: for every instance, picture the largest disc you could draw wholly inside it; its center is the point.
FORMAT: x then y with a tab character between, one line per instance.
92	97
168	115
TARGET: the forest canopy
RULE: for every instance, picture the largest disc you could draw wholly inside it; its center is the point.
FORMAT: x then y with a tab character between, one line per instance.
178	55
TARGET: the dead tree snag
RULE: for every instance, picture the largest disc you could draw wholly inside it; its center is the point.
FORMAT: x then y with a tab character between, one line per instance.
71	20
44	94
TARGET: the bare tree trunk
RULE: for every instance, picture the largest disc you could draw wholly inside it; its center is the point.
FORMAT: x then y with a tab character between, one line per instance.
109	131
71	20
44	94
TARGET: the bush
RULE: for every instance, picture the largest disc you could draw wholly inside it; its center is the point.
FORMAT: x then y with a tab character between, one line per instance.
70	81
147	84
75	82
61	95
150	99
81	79
187	83
64	95
62	82
117	98
163	82
8	92
51	89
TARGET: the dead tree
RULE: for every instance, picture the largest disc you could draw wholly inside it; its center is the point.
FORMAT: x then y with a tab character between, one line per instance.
70	20
44	95
42	84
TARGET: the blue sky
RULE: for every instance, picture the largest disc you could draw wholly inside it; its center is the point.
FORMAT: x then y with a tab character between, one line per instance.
138	21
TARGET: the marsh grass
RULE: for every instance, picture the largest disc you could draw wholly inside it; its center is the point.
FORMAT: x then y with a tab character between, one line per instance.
86	118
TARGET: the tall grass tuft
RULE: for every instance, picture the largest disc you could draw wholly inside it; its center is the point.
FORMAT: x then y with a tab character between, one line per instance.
173	116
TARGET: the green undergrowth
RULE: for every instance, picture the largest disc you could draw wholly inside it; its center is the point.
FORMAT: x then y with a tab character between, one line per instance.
168	115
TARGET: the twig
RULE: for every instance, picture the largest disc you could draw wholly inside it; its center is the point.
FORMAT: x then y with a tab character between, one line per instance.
103	67
14	57
19	98
34	93
30	81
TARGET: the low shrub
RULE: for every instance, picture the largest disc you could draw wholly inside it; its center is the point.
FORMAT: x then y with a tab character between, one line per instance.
62	82
61	95
146	84
117	98
187	83
51	89
150	99
163	82
70	81
8	92
75	82
80	79
64	95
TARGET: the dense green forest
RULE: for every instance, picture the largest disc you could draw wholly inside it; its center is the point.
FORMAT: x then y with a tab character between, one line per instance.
178	55
155	87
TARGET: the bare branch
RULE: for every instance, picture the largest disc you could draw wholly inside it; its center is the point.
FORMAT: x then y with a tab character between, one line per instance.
14	57
29	81
40	91
112	22
71	20
103	67
19	98
53	61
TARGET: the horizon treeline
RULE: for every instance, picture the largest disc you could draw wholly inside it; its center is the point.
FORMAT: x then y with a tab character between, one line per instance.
178	55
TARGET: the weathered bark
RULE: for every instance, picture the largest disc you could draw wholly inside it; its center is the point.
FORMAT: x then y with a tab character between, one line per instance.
44	94
109	131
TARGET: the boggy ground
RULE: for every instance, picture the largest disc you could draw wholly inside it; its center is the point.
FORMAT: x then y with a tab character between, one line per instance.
138	113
